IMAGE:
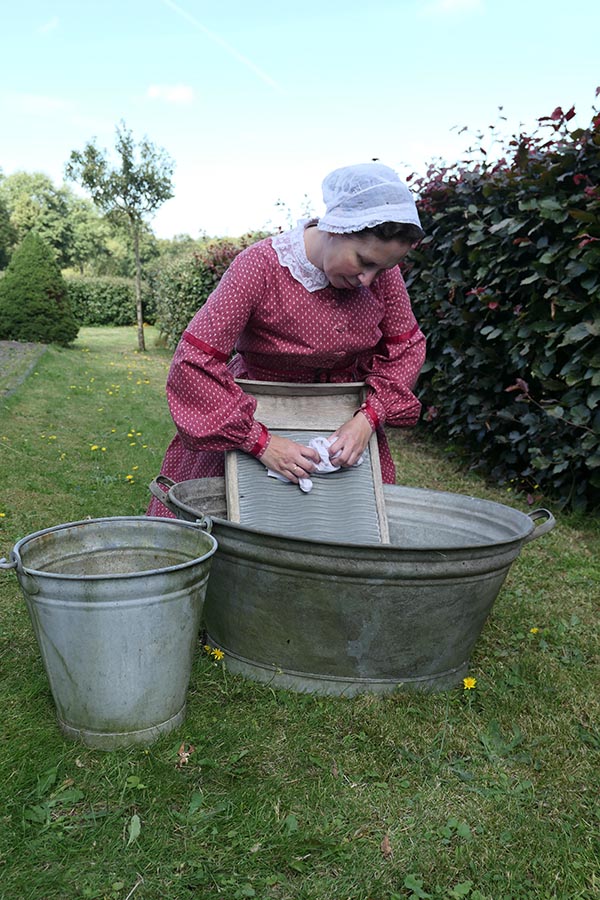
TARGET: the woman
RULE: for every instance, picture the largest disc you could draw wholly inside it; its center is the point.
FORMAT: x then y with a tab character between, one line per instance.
323	302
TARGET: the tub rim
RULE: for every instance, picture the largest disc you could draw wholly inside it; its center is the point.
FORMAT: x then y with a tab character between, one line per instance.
530	530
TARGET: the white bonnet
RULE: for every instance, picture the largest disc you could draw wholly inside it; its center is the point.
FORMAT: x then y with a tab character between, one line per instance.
365	195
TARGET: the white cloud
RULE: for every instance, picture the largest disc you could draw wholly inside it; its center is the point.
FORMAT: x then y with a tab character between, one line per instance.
35	104
48	26
178	94
452	7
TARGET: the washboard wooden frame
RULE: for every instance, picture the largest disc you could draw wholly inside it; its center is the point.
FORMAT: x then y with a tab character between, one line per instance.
285	406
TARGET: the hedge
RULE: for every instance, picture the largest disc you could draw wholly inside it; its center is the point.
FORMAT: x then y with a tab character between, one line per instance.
506	286
105	300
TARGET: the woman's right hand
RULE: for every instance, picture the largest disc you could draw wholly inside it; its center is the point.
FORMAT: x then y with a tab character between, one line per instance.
287	458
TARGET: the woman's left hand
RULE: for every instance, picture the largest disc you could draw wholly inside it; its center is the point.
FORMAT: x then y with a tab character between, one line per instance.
350	441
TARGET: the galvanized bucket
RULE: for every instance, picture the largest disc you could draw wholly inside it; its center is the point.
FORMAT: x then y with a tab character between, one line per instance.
341	618
115	605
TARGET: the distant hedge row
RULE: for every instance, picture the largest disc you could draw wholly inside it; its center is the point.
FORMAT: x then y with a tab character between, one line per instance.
506	286
107	300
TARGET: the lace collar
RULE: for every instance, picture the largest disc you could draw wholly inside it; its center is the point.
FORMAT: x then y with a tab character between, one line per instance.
291	253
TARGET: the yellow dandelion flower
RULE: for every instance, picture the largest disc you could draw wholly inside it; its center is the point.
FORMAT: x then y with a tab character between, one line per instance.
207	648
218	654
469	683
533	630
130	434
135	468
129	478
94	447
132	443
2	515
113	430
103	449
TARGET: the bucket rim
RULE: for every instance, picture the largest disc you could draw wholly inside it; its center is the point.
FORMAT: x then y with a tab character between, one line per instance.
117	575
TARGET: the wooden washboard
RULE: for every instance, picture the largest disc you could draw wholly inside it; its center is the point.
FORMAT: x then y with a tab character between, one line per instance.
345	506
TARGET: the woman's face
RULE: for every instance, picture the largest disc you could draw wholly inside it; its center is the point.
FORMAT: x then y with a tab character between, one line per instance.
350	262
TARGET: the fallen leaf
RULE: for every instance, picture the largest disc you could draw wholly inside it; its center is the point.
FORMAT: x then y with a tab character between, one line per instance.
386	847
183	754
134	829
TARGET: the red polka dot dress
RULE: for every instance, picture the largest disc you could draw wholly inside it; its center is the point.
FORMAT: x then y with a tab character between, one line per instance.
280	330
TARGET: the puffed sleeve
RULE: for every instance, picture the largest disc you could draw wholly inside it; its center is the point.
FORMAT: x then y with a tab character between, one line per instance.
209	409
394	366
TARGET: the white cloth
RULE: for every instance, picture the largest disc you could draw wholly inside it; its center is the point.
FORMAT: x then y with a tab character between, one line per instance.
291	253
321	445
363	196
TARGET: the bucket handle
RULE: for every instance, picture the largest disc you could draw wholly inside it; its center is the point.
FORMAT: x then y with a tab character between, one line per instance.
157	491
27	582
539	530
15	559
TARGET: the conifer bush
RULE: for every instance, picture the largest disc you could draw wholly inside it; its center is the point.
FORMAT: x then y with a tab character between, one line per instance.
34	301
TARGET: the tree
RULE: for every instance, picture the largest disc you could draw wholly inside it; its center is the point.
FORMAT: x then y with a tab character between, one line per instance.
34	203
128	193
7	235
90	234
34	301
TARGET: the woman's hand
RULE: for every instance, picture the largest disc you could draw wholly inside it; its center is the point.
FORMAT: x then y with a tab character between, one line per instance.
350	441
287	458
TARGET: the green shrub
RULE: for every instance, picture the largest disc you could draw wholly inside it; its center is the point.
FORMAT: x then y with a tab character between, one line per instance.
34	301
106	300
507	287
182	286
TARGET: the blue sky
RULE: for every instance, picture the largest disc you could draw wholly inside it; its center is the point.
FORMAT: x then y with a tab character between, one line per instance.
257	101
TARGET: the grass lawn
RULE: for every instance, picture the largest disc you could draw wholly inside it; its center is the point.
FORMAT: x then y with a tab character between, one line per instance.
491	793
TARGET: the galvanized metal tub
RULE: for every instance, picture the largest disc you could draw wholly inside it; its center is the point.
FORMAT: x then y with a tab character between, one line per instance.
116	605
339	618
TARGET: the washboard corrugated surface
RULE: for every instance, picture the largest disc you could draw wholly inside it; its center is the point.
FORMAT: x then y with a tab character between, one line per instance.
340	507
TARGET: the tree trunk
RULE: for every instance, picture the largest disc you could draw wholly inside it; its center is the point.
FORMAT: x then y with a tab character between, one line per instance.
138	288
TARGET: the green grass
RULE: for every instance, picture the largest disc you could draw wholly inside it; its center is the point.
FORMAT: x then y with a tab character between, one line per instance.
491	793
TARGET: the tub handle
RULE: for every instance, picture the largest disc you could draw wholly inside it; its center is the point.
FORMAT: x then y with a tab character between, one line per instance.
539	530
156	491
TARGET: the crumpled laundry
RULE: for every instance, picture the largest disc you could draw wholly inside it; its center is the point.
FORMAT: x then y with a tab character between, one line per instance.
326	465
